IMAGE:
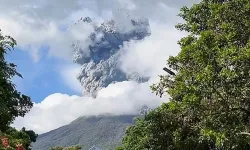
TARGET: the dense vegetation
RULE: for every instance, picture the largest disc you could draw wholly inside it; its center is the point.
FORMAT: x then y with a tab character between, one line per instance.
23	137
12	103
209	84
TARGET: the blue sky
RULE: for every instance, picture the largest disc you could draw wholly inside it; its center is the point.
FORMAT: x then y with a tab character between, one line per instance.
41	78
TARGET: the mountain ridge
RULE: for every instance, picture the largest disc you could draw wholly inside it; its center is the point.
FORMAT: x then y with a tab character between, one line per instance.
103	131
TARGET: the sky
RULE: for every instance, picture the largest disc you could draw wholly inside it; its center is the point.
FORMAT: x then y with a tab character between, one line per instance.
37	77
45	59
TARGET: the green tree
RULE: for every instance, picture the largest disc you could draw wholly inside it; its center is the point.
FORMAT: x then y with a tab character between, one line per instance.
31	133
31	137
12	103
18	137
209	84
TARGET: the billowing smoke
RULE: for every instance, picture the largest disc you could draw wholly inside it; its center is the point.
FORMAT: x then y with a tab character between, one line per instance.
100	65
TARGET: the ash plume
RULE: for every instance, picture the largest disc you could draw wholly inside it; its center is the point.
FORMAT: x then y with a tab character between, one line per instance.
99	59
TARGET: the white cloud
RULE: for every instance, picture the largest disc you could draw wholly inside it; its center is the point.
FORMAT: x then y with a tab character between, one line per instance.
61	42
148	56
32	36
69	76
35	23
60	109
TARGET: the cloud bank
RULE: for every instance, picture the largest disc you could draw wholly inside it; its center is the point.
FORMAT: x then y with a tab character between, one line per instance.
59	109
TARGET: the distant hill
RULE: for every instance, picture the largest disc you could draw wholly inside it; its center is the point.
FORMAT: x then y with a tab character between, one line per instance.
104	132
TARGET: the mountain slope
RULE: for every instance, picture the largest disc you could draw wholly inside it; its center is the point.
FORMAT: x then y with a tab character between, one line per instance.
105	132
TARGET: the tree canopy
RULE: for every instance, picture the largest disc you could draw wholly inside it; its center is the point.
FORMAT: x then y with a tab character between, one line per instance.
12	103
209	84
14	137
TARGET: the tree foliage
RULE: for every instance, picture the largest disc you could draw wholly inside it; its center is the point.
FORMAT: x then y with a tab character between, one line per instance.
209	106
31	133
24	137
12	103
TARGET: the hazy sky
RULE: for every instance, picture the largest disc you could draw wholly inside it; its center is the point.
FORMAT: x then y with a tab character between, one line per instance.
44	56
